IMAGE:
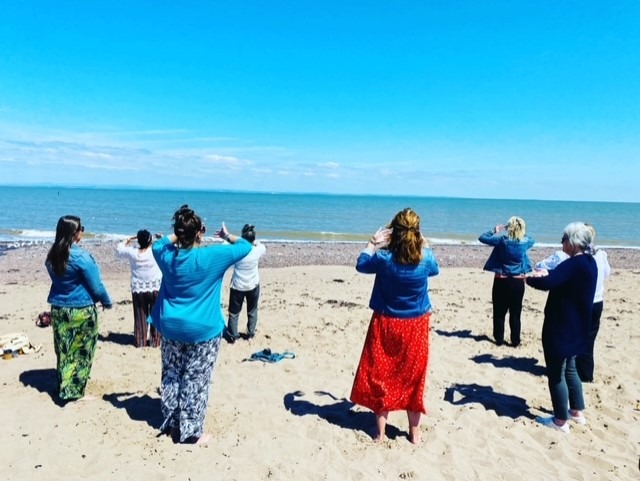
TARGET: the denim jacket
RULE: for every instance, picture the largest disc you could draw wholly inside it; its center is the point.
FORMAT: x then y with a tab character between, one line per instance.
80	285
509	257
399	290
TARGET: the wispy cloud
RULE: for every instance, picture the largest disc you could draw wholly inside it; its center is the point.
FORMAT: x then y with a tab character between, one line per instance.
134	158
330	165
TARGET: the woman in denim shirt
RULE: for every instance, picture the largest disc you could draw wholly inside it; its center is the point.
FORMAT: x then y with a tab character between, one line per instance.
509	262
76	287
392	371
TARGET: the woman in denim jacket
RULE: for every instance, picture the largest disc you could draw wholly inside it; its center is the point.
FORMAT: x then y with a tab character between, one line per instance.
76	287
509	262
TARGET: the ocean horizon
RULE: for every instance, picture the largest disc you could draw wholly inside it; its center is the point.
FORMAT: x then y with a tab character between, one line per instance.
30	215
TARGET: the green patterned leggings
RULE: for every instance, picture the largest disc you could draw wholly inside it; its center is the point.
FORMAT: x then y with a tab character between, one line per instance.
75	334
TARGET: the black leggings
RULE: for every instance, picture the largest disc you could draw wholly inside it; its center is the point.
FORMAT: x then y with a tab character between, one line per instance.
507	295
584	362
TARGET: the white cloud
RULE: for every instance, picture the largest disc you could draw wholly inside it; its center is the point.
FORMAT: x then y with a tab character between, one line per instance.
330	165
226	160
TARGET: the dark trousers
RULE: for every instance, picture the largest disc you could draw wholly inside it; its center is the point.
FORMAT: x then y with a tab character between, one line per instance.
142	305
565	386
584	362
236	298
507	295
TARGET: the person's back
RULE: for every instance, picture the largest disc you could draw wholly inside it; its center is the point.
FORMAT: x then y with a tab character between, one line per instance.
399	290
604	270
188	307
80	284
568	309
145	273
188	315
245	272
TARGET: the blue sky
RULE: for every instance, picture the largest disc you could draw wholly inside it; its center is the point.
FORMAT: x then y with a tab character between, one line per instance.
488	99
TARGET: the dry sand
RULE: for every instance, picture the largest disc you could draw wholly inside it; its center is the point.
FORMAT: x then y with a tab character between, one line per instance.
290	420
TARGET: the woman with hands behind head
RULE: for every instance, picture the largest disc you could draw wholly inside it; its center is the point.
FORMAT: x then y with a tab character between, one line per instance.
392	371
145	284
76	287
245	283
509	262
190	319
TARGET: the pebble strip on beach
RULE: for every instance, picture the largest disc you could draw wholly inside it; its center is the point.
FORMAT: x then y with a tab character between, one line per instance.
18	265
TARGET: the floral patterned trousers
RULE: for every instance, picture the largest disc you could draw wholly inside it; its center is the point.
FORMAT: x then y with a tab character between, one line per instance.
75	334
186	377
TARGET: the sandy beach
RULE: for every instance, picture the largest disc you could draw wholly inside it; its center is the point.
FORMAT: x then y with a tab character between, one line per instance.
291	420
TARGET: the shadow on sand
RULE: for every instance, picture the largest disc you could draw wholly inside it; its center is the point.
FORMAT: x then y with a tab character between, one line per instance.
520	364
45	381
141	408
340	414
118	338
464	334
503	404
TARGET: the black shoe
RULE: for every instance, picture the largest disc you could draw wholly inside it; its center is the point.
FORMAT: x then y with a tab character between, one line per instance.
229	338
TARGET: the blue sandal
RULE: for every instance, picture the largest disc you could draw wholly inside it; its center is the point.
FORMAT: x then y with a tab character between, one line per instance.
271	357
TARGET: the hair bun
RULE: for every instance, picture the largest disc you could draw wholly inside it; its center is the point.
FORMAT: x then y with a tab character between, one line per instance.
185	211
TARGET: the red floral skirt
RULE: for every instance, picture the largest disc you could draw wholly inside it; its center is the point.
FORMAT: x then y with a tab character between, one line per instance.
392	372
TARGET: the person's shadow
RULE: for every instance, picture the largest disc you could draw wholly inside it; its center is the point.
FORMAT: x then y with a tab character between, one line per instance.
503	404
44	380
340	413
521	364
463	334
118	338
142	408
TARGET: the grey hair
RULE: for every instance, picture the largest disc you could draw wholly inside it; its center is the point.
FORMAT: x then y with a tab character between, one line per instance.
579	235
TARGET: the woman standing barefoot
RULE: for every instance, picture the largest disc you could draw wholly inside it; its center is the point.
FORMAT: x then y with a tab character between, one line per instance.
392	371
76	287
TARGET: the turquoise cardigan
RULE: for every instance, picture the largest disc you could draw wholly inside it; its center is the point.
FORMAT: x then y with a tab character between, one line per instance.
188	308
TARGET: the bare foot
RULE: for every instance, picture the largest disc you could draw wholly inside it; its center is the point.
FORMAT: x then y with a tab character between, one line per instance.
380	438
415	436
204	439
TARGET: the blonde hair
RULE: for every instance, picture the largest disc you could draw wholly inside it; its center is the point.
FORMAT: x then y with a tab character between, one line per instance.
406	239
516	228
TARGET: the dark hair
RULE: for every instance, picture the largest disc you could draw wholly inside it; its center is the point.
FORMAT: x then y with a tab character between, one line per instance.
186	225
406	242
58	256
249	233
144	238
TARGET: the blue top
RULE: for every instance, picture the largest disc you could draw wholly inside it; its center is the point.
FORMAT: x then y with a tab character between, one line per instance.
509	256
80	285
188	307
399	290
567	313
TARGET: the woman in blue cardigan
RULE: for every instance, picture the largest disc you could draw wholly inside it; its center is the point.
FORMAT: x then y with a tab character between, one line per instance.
189	317
567	323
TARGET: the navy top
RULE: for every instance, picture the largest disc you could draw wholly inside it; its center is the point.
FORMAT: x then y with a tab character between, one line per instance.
509	256
399	290
567	313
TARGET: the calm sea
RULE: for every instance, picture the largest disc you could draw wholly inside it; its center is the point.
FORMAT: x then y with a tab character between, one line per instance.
29	215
